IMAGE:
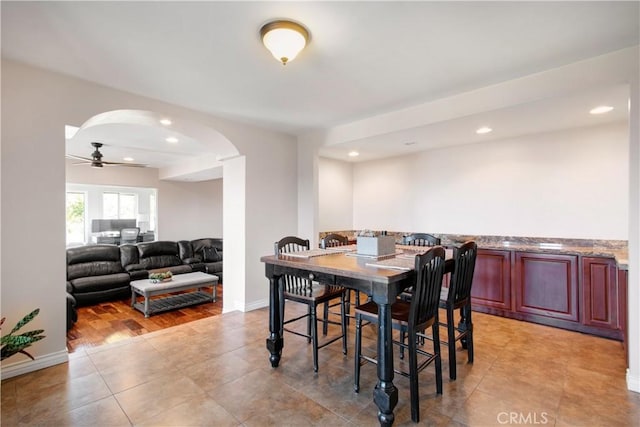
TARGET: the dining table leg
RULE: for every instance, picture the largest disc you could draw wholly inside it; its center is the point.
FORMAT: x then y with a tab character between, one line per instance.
275	341
385	395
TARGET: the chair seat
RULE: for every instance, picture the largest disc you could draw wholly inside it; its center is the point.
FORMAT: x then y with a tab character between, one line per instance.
317	293
399	311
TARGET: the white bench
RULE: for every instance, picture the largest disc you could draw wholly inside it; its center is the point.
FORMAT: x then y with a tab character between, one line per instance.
180	282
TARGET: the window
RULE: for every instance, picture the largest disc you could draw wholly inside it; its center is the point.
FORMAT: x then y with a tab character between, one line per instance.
76	214
110	205
119	205
128	206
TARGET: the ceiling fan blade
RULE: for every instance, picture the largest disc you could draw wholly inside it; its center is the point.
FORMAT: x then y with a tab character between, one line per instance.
71	156
133	165
81	163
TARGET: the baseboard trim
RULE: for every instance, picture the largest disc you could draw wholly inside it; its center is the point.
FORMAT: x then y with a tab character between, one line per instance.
41	362
633	382
256	305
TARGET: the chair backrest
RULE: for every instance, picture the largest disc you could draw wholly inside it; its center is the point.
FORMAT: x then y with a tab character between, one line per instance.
462	276
294	284
426	292
421	239
129	235
332	239
291	244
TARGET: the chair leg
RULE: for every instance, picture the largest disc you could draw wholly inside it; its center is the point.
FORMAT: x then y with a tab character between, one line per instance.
451	340
343	322
413	378
469	335
435	329
281	308
314	336
462	327
356	370
347	302
309	320
325	316
403	338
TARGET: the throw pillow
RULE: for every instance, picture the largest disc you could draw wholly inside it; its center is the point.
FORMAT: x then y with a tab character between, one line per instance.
210	255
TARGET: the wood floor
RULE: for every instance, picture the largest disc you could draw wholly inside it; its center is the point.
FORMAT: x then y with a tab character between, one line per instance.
113	321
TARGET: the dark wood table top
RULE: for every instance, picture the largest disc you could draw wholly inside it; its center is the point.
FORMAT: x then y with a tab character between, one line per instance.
345	265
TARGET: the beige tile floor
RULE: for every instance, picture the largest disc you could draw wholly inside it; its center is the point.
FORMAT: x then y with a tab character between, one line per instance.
215	372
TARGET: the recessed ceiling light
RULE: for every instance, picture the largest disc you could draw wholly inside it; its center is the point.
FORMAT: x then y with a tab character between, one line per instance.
128	159
172	139
165	122
353	154
601	109
483	130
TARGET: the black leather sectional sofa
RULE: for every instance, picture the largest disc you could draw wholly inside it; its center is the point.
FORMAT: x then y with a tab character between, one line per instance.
98	273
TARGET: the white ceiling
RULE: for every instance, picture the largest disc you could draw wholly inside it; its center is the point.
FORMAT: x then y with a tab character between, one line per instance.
364	59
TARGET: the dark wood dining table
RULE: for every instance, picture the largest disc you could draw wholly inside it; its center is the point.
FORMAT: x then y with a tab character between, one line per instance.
352	272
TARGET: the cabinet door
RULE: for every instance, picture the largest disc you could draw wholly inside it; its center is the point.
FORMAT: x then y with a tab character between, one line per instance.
599	293
547	285
492	279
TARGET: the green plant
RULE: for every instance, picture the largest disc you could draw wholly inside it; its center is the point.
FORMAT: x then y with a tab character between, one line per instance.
159	277
12	344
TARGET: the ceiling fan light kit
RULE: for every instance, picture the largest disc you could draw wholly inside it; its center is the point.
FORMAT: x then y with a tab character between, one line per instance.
96	159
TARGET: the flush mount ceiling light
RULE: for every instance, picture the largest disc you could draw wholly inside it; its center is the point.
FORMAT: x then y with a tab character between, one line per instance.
601	109
172	139
284	39
483	130
165	122
353	153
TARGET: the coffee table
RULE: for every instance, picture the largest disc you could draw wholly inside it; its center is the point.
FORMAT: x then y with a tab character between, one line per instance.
179	282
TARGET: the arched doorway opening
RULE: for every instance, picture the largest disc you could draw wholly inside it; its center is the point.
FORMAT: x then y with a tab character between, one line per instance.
180	154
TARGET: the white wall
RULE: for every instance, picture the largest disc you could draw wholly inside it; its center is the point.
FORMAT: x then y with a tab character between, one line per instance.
571	184
36	105
189	210
335	194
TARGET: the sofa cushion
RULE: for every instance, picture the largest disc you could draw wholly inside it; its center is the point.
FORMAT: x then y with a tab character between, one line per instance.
99	283
210	254
93	260
158	255
160	261
129	255
157	248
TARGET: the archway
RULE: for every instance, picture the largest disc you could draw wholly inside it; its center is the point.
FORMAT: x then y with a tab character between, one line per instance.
211	155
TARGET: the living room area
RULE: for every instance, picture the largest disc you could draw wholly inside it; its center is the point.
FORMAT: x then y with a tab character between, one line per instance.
102	203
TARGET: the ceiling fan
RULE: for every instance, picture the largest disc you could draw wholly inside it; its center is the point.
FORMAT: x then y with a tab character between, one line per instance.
96	159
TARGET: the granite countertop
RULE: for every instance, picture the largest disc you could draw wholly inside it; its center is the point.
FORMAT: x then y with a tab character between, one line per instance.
617	249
